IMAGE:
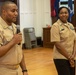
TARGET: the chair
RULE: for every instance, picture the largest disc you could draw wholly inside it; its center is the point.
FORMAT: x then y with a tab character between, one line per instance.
30	38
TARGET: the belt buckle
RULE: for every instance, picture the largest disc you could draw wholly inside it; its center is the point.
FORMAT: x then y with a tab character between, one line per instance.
16	66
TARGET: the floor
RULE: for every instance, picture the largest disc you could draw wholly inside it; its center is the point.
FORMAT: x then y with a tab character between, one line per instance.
39	61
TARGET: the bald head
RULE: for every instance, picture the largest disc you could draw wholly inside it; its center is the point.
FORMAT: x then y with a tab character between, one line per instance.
5	5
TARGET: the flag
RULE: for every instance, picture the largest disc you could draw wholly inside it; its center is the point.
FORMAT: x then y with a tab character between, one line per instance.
53	13
56	6
70	6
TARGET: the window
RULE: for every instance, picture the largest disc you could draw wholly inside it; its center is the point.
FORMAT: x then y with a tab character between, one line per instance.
65	3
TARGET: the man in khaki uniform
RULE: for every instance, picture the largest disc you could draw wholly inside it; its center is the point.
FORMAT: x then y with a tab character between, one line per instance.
11	56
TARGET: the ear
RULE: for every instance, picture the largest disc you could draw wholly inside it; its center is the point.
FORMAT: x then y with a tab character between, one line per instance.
3	12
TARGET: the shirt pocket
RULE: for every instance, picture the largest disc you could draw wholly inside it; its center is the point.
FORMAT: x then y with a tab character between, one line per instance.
64	33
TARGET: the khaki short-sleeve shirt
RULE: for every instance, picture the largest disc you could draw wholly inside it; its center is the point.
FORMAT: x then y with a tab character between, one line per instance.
65	34
14	55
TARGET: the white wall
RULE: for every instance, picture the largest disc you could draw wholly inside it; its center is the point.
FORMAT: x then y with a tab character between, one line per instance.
35	13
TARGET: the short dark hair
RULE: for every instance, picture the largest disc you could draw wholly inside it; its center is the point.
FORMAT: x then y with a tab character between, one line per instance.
62	8
4	4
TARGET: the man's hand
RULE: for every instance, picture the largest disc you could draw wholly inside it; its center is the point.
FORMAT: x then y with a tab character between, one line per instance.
25	73
17	38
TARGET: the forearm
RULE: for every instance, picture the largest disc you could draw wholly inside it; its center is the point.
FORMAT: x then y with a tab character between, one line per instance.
61	49
4	49
17	38
22	64
74	50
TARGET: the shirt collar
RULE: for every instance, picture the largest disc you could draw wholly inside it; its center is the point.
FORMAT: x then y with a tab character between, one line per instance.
61	23
3	23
